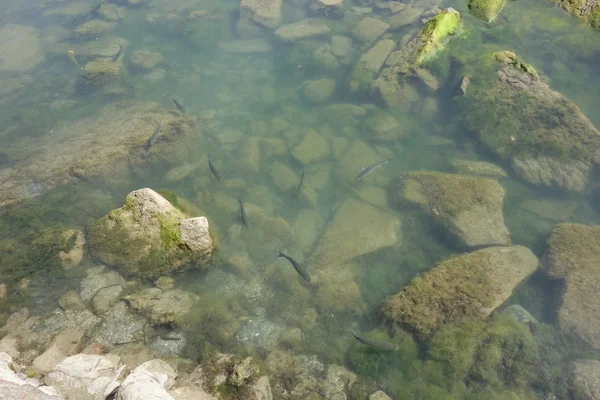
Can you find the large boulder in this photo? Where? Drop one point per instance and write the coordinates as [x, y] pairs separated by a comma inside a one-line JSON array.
[[470, 285], [544, 136], [468, 208], [573, 256], [148, 237]]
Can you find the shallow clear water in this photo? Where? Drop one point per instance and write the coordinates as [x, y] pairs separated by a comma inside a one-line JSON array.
[[246, 92]]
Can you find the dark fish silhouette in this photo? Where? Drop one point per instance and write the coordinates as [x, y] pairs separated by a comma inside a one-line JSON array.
[[243, 213], [154, 136], [299, 268], [301, 180], [366, 171], [213, 168], [179, 105], [118, 53], [378, 344]]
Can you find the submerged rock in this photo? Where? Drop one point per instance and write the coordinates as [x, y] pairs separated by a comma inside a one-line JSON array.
[[148, 237], [146, 60], [320, 90], [369, 30], [245, 46], [162, 306], [401, 65], [120, 326], [468, 208], [20, 47], [306, 29], [520, 119], [92, 29], [470, 285], [367, 69], [101, 74], [587, 11], [487, 10], [586, 378], [312, 149], [573, 256], [266, 13], [478, 168]]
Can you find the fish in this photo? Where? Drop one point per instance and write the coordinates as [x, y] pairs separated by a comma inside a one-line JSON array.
[[301, 180], [243, 213], [366, 171], [213, 169], [154, 136], [377, 344], [179, 105], [299, 268], [118, 53]]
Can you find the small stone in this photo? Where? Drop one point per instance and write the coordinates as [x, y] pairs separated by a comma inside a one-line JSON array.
[[146, 60], [282, 176], [369, 29], [71, 301], [320, 90], [313, 148]]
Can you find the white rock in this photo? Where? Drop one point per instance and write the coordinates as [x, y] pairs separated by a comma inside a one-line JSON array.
[[148, 381], [194, 233], [13, 387]]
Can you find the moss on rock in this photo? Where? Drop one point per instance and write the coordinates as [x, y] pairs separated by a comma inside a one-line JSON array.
[[487, 10], [436, 32]]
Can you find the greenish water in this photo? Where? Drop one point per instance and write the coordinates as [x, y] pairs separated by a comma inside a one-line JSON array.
[[247, 92]]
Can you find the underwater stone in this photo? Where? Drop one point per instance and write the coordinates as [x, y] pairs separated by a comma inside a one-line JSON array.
[[93, 28], [120, 326], [368, 66], [162, 306], [573, 256], [249, 155], [520, 314], [312, 149], [73, 257], [470, 285], [379, 395], [586, 377], [245, 46], [306, 29], [468, 208], [57, 321], [358, 156], [71, 301], [487, 10], [320, 90], [340, 45], [325, 59], [242, 371], [405, 17], [478, 168], [435, 33], [106, 298], [282, 176], [382, 126], [144, 238], [263, 12], [109, 12], [63, 345], [20, 47], [145, 59], [95, 282], [520, 119], [369, 30]]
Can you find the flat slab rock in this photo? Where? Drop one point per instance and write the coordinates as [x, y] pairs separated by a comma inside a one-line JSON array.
[[470, 285], [573, 256]]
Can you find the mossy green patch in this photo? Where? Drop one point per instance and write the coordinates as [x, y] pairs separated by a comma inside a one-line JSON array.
[[436, 32], [487, 10], [170, 232]]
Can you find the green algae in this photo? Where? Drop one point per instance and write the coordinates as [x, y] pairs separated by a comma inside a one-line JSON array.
[[487, 10], [436, 32], [170, 232]]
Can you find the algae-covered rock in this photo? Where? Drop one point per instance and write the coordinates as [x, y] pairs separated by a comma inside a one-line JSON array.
[[468, 208], [470, 285], [520, 119], [487, 10], [148, 237], [478, 168], [101, 73], [319, 90], [586, 11], [402, 65], [573, 256], [436, 32]]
